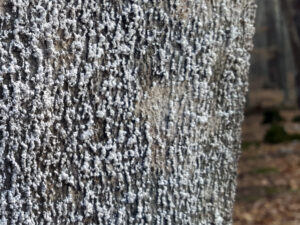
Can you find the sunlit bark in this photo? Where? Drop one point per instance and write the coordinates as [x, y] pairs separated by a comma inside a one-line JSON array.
[[121, 112]]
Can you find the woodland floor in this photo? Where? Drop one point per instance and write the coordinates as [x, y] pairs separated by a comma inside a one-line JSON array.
[[269, 174]]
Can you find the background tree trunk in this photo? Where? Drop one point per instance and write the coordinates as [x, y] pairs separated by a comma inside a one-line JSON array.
[[121, 112], [291, 9], [272, 64]]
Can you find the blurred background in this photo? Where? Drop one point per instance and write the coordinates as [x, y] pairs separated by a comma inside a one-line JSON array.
[[269, 168]]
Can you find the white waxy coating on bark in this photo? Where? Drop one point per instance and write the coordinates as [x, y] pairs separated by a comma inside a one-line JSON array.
[[121, 112]]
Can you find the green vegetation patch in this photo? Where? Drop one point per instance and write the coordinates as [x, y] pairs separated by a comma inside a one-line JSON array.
[[276, 134], [264, 170], [294, 137], [248, 144]]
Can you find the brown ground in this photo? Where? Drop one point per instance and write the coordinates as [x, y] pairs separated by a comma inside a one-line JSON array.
[[269, 176]]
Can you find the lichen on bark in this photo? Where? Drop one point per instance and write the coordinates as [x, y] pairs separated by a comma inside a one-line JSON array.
[[121, 112]]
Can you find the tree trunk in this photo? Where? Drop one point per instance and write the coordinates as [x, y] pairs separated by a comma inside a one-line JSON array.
[[272, 65], [291, 9], [121, 112]]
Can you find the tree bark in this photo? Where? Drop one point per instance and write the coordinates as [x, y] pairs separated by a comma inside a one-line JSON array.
[[121, 112]]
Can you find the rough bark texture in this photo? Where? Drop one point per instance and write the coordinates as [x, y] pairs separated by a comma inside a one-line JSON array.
[[121, 112]]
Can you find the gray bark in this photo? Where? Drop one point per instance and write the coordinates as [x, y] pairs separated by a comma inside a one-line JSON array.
[[121, 112]]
